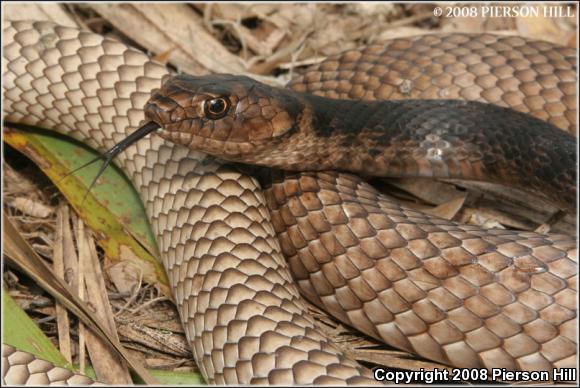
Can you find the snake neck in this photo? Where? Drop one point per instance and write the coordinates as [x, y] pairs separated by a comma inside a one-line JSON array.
[[428, 138]]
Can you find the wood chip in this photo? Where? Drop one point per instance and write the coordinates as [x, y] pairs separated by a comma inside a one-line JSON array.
[[31, 207]]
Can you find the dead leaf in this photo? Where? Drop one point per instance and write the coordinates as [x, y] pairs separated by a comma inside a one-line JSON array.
[[428, 190], [479, 219], [125, 276], [449, 209], [545, 27]]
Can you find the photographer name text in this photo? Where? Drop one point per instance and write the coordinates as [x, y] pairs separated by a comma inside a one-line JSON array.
[[506, 11], [470, 374]]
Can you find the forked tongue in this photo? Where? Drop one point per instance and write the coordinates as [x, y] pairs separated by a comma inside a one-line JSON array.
[[116, 150]]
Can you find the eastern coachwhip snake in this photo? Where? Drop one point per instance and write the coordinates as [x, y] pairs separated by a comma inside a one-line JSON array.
[[457, 294]]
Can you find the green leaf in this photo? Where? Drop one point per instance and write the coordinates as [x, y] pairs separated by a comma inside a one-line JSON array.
[[112, 209], [22, 332]]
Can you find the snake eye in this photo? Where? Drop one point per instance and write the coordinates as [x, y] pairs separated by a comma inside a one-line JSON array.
[[216, 108]]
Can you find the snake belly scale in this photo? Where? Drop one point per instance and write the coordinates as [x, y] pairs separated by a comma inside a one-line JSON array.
[[239, 259]]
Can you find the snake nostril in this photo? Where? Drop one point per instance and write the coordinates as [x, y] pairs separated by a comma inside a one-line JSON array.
[[157, 113]]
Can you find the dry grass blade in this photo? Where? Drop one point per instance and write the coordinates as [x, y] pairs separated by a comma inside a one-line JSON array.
[[23, 256], [63, 322], [108, 366], [162, 341]]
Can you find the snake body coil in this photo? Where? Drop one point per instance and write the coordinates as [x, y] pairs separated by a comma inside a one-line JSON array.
[[454, 293]]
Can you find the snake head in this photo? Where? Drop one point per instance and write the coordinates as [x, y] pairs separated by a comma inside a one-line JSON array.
[[224, 115]]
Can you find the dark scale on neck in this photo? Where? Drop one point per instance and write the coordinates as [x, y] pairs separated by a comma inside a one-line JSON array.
[[378, 121]]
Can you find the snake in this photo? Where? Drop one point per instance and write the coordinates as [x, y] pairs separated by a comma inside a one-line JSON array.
[[242, 120], [243, 248]]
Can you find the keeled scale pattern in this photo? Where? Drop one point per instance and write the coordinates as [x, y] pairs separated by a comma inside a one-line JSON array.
[[533, 77], [23, 368], [242, 313], [454, 293]]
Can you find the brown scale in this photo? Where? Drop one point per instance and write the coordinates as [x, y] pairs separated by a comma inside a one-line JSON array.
[[453, 293]]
